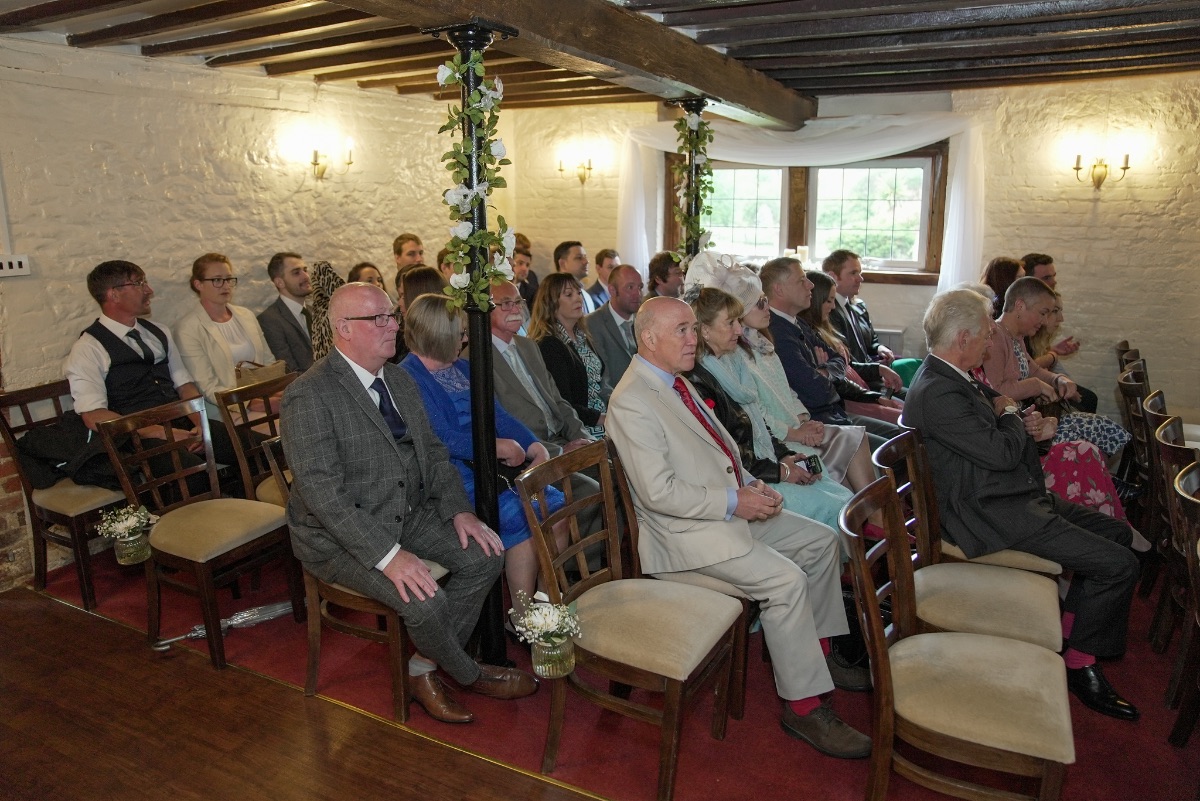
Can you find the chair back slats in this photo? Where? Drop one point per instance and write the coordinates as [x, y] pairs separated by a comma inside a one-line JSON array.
[[905, 459], [277, 460], [1187, 488], [23, 410], [251, 416], [1174, 455], [564, 565], [630, 560], [158, 435], [1132, 385]]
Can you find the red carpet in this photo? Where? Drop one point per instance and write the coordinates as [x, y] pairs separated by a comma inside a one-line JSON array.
[[615, 757]]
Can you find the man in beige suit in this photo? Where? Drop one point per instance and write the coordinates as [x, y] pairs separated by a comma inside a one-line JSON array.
[[699, 511]]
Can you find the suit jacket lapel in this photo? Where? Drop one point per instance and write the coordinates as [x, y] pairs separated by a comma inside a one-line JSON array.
[[358, 393], [672, 403], [291, 318]]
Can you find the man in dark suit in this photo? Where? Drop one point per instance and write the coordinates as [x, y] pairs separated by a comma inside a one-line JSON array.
[[849, 315], [789, 292], [524, 276], [374, 494], [992, 494], [570, 257], [606, 260], [611, 325], [287, 323]]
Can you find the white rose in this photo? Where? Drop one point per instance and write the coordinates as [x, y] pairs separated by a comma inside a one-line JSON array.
[[460, 280], [693, 121], [498, 149], [506, 270], [462, 230], [444, 74], [701, 159], [508, 241]]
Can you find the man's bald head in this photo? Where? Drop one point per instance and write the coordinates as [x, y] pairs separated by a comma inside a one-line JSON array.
[[361, 340], [666, 331]]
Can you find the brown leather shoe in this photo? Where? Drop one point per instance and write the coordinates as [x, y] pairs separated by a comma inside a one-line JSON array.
[[826, 732], [430, 693], [504, 683]]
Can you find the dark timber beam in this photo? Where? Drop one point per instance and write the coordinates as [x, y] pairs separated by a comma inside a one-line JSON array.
[[332, 43], [761, 13], [511, 73], [175, 20], [416, 66], [259, 34], [595, 37], [631, 97], [392, 53], [43, 13]]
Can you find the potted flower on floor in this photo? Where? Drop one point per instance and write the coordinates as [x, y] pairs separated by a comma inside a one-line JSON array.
[[548, 628], [129, 529]]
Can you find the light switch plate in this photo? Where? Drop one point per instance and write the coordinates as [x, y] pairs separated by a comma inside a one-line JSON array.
[[14, 265]]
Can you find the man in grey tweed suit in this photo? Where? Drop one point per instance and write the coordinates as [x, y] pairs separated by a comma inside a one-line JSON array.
[[374, 494]]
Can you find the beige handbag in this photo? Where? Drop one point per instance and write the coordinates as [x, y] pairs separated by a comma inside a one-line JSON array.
[[253, 372]]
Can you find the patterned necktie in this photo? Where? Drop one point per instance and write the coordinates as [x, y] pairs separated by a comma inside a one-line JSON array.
[[307, 320], [147, 356], [690, 403], [553, 424], [630, 342], [390, 416]]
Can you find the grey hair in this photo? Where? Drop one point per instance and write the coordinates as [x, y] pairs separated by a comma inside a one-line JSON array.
[[953, 312]]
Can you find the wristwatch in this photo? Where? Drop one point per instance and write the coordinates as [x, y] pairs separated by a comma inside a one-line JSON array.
[[1010, 409]]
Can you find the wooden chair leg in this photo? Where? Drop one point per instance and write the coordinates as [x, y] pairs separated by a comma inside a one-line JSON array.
[[740, 658], [295, 580], [672, 730], [211, 614], [83, 563], [558, 706], [153, 601], [1163, 625], [1052, 781], [1189, 704], [313, 600], [39, 556], [883, 741], [398, 664], [1179, 676]]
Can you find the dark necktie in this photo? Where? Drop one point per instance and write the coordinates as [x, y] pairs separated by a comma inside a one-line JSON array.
[[147, 356], [307, 320], [690, 403], [390, 416]]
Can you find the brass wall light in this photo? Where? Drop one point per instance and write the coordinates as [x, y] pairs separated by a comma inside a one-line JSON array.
[[320, 163], [582, 170], [1099, 170]]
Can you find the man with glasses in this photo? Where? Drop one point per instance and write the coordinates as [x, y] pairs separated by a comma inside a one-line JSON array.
[[123, 364], [374, 494], [611, 325], [287, 323]]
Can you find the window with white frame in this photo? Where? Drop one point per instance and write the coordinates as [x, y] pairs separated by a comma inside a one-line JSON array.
[[747, 211]]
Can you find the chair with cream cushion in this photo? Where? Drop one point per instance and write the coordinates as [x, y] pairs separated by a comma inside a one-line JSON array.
[[199, 534], [251, 415], [1187, 486], [659, 636], [75, 507], [327, 600], [1176, 603], [965, 596], [974, 699]]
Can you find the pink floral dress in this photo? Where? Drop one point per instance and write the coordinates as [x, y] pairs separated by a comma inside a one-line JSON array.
[[1075, 471]]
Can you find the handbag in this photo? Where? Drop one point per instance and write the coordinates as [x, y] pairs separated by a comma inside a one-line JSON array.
[[504, 472], [252, 372]]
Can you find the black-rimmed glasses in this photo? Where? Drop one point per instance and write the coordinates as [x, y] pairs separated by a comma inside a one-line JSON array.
[[221, 280], [381, 320], [509, 305]]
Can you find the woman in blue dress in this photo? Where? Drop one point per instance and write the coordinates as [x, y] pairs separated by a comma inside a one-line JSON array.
[[435, 336]]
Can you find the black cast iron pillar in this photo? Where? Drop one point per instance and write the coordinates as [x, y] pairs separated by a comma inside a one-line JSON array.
[[693, 105]]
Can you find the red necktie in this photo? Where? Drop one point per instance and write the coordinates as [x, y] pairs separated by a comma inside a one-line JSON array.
[[690, 403]]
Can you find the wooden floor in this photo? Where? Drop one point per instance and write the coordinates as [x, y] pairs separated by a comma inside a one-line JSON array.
[[87, 711]]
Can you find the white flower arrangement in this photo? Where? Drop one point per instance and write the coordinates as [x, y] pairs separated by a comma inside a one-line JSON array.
[[481, 110], [122, 523], [545, 622]]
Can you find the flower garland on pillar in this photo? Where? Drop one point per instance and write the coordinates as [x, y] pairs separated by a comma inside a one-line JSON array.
[[481, 108], [694, 177]]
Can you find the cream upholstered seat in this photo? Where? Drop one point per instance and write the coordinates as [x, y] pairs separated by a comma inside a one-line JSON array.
[[201, 540], [1017, 560], [975, 699], [74, 507], [661, 636], [250, 414], [964, 596], [269, 492]]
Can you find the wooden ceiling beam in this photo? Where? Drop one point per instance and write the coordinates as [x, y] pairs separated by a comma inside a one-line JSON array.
[[259, 34], [414, 50], [427, 83], [548, 102], [331, 43], [597, 38], [1182, 16], [762, 13], [972, 17], [417, 66], [583, 85], [44, 13], [177, 20]]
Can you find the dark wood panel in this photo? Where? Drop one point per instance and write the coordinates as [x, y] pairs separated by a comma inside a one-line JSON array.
[[43, 13], [343, 43], [418, 66], [758, 13], [403, 52], [259, 34], [90, 712], [177, 20]]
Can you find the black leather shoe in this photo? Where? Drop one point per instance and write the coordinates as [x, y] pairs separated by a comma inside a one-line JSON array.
[[1091, 687]]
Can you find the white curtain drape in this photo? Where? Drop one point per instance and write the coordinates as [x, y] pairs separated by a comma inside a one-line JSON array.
[[821, 143]]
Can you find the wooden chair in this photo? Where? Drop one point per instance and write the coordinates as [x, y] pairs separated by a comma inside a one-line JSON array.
[[199, 534], [964, 596], [250, 417], [1176, 603], [633, 569], [1187, 487], [973, 699], [1155, 406], [327, 602], [75, 507], [658, 636], [1149, 513]]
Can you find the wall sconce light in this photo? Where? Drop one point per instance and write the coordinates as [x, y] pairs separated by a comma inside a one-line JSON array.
[[582, 170], [321, 163], [1099, 170]]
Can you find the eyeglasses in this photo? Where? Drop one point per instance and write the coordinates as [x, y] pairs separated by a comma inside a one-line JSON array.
[[509, 305], [381, 320], [139, 284], [221, 280]]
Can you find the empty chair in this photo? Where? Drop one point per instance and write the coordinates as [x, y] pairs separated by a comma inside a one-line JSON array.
[[327, 601], [75, 507], [1187, 487], [250, 417], [964, 596], [1155, 406], [660, 636], [199, 535], [1175, 602], [985, 701]]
